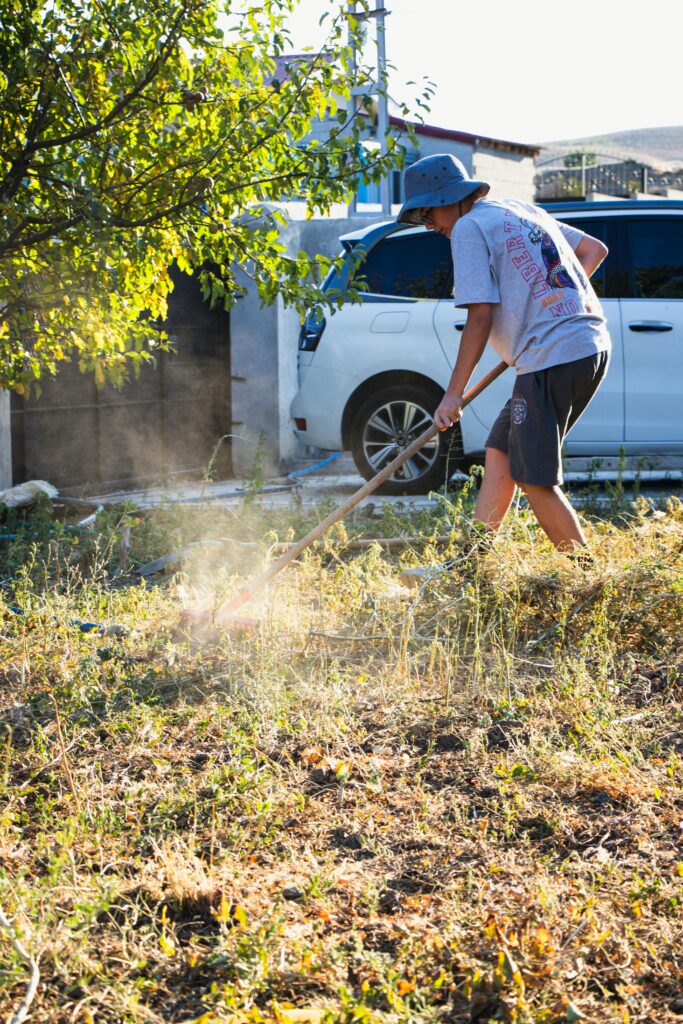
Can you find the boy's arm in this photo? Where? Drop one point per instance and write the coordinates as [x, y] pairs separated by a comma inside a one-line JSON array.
[[590, 252], [473, 342]]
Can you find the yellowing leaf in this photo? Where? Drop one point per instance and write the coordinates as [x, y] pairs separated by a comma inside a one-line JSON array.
[[222, 914], [544, 939], [166, 946], [239, 915], [340, 769], [510, 970]]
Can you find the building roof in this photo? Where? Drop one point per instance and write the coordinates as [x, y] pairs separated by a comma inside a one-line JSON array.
[[450, 134]]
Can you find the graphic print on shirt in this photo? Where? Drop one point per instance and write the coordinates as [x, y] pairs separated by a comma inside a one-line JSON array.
[[549, 283], [522, 258], [557, 274]]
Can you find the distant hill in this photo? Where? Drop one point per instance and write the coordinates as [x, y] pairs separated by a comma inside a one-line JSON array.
[[659, 147]]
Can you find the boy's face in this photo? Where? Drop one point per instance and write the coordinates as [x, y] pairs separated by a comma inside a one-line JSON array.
[[441, 218]]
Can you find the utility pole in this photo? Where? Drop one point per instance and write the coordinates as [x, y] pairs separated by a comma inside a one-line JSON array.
[[353, 102], [5, 441], [583, 175], [379, 15], [382, 104]]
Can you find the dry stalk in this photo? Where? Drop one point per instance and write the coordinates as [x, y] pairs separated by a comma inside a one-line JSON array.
[[65, 759], [21, 1012], [392, 543], [124, 548], [355, 639]]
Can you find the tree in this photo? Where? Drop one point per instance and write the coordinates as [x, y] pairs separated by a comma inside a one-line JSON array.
[[136, 134]]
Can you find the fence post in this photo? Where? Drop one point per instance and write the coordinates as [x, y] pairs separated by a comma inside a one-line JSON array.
[[583, 175], [643, 187]]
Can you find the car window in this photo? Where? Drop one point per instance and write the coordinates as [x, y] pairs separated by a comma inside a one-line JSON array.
[[656, 248], [603, 276], [414, 266]]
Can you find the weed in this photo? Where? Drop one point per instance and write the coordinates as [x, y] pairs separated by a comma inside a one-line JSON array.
[[462, 805]]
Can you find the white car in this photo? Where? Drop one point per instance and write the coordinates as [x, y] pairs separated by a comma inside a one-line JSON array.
[[372, 374]]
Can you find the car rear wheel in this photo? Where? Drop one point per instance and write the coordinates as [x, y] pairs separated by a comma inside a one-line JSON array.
[[388, 422]]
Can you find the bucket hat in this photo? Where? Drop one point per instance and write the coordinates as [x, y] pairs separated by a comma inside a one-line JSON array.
[[436, 180]]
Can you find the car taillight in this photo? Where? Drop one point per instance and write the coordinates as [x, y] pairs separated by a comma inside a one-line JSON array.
[[311, 332], [300, 423]]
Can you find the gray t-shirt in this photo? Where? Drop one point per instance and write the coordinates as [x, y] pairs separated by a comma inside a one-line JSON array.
[[519, 258]]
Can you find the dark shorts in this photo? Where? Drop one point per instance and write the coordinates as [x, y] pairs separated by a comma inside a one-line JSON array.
[[545, 405]]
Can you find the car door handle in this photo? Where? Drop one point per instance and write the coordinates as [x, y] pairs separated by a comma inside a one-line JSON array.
[[459, 327], [640, 326]]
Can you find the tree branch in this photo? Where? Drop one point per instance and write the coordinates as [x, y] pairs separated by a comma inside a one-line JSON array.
[[125, 101], [16, 243], [13, 179]]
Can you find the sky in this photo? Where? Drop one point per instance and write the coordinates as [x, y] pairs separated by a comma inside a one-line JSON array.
[[528, 72]]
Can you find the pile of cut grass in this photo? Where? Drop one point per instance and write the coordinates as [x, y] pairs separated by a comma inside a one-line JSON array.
[[462, 804]]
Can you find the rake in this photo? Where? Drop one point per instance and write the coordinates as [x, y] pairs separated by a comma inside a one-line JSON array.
[[245, 595]]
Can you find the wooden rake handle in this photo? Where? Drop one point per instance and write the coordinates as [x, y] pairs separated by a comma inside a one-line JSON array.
[[260, 582]]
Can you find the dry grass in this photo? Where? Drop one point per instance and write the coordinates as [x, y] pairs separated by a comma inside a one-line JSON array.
[[460, 805]]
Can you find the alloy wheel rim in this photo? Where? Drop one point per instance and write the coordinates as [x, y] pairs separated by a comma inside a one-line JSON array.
[[391, 428]]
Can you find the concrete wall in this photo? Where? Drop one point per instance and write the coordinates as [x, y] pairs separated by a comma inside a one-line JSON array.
[[264, 346], [254, 394], [511, 175], [463, 150]]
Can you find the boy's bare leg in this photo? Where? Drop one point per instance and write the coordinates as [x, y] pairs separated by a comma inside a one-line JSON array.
[[496, 492], [556, 516], [550, 506]]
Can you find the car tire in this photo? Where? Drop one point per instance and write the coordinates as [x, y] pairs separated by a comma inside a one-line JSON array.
[[390, 420]]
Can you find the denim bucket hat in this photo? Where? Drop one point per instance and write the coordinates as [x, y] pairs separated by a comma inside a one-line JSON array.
[[434, 181]]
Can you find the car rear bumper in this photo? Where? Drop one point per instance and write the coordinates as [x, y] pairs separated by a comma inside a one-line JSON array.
[[321, 401]]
